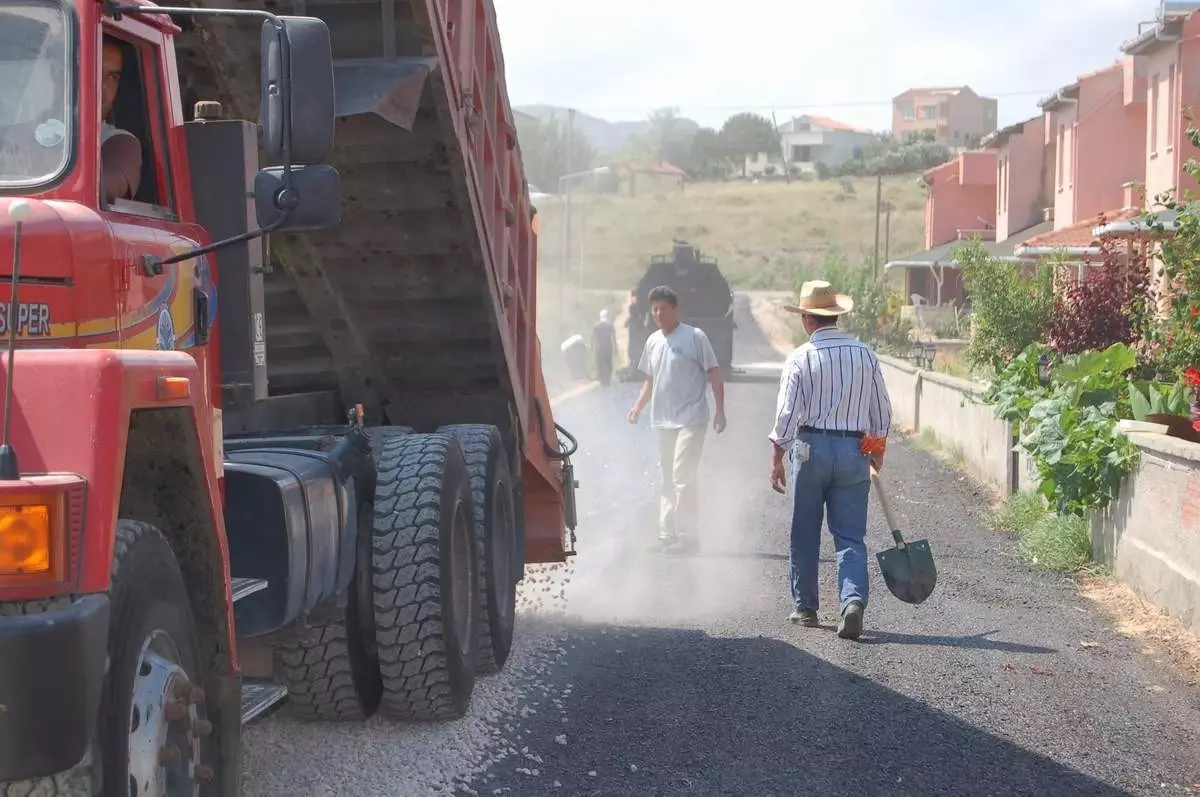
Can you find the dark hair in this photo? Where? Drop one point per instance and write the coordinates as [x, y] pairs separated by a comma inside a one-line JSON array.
[[824, 320], [663, 294]]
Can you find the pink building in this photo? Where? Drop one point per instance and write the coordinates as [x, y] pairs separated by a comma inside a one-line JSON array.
[[1024, 179], [1166, 56], [1099, 133], [1166, 59], [960, 204]]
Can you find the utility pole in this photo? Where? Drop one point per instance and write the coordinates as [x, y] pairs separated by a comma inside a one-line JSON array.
[[887, 231], [566, 258], [878, 209]]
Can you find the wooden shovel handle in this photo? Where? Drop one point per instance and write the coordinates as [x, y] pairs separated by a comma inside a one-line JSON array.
[[893, 526]]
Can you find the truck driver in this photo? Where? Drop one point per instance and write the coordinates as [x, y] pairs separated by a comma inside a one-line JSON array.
[[120, 151]]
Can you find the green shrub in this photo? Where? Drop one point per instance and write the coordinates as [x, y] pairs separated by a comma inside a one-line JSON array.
[[1012, 309], [1059, 543], [1017, 513], [1068, 426]]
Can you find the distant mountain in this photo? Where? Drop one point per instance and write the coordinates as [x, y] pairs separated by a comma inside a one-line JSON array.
[[604, 135]]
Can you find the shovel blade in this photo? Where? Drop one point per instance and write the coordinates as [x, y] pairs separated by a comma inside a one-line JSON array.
[[909, 572]]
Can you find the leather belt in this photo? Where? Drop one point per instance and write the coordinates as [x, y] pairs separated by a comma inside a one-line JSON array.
[[830, 432]]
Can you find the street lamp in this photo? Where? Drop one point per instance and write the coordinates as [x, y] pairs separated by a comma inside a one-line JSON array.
[[564, 189]]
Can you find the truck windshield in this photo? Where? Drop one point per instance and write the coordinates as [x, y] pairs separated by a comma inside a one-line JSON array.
[[35, 126]]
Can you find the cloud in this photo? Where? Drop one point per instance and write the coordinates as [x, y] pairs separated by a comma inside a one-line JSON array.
[[619, 59]]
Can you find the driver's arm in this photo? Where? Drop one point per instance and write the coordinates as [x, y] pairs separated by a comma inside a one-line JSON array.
[[121, 165]]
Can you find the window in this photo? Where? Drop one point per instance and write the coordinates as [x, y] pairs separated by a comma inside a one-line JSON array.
[[1154, 115], [929, 112], [907, 112], [802, 154], [1172, 121], [37, 124], [135, 169]]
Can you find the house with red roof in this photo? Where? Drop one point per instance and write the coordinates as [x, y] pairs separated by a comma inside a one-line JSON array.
[[808, 140], [634, 179]]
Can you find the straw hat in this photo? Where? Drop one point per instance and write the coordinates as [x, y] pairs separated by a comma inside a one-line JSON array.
[[817, 297]]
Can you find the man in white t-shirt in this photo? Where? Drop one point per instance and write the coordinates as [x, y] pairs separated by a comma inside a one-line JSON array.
[[680, 365]]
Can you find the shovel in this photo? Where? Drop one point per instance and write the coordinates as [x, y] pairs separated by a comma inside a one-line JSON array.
[[908, 568]]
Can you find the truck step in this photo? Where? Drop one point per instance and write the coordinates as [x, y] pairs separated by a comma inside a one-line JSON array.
[[245, 587], [258, 696]]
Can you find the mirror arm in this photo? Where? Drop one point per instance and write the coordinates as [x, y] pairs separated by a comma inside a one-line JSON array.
[[152, 265]]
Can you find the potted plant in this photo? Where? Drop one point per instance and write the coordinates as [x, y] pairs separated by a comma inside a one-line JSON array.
[[1175, 406]]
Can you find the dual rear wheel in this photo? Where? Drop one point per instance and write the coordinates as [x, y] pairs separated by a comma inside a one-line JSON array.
[[436, 597]]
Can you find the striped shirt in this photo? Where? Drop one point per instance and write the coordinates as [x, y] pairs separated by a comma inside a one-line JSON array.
[[831, 382]]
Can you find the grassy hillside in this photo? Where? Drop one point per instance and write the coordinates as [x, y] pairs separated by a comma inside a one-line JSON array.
[[764, 235]]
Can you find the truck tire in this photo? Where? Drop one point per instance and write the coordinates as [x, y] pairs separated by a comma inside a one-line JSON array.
[[331, 666], [495, 534], [328, 673], [425, 578], [153, 683]]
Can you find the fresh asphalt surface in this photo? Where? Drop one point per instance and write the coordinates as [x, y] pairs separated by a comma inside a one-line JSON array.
[[645, 674], [681, 675]]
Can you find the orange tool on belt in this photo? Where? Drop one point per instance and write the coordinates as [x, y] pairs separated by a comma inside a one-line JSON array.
[[872, 445]]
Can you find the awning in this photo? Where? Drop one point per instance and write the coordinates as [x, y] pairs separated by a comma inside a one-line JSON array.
[[939, 256], [1138, 226]]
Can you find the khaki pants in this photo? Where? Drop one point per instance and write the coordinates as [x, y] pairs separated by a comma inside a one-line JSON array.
[[679, 452]]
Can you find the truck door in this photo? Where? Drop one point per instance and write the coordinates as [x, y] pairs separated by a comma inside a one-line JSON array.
[[155, 311]]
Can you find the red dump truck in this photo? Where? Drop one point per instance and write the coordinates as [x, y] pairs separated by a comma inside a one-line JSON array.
[[266, 432]]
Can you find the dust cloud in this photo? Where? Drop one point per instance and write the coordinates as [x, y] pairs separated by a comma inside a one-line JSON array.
[[616, 578]]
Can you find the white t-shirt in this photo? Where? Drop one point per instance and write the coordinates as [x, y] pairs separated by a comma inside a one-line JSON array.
[[678, 365]]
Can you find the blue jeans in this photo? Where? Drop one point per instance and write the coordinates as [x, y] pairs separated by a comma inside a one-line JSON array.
[[836, 476]]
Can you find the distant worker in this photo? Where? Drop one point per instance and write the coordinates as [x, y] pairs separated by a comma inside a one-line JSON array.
[[679, 365], [120, 150], [831, 396], [604, 346]]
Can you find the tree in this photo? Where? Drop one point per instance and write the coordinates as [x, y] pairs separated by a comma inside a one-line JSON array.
[[746, 134], [707, 156], [664, 140], [544, 151], [1012, 309]]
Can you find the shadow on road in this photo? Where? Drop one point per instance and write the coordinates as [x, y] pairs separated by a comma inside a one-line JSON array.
[[974, 642], [761, 716]]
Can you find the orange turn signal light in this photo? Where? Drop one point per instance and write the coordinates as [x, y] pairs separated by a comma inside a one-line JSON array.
[[173, 388], [26, 541]]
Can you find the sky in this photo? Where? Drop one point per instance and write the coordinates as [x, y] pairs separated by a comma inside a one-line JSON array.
[[620, 59]]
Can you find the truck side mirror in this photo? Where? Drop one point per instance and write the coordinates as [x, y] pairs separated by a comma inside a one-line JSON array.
[[298, 59], [313, 202]]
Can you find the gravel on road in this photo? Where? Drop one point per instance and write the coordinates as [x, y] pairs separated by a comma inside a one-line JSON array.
[[681, 675], [636, 673]]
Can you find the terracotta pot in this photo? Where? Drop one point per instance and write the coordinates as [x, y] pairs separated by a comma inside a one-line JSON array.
[[1177, 425]]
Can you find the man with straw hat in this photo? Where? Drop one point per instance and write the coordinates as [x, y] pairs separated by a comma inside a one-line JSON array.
[[831, 396]]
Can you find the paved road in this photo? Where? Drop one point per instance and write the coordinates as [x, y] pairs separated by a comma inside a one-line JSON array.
[[680, 675], [643, 674]]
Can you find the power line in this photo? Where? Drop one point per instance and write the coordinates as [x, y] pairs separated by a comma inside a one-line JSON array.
[[780, 106]]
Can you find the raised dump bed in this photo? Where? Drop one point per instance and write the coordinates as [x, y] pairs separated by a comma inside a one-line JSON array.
[[420, 305]]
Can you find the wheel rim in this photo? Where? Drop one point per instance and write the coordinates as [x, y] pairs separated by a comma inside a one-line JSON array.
[[461, 564], [164, 724], [501, 575]]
